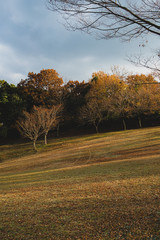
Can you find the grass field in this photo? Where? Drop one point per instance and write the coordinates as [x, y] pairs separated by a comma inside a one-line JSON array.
[[103, 186]]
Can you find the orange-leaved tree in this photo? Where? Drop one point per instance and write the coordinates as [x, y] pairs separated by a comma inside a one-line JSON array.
[[44, 88], [96, 105], [144, 93], [109, 92]]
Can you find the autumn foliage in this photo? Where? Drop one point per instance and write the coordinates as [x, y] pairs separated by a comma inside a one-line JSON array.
[[43, 88], [124, 100]]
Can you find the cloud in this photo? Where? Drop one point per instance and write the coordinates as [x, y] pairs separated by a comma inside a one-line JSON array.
[[33, 39], [10, 68]]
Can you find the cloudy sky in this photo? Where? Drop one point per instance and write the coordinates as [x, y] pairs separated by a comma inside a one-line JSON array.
[[32, 38]]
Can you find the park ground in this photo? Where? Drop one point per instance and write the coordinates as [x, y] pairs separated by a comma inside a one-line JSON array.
[[93, 187]]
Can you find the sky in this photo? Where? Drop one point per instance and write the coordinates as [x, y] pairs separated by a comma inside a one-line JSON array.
[[33, 38]]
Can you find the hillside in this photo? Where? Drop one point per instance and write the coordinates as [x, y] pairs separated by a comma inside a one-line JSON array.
[[103, 186]]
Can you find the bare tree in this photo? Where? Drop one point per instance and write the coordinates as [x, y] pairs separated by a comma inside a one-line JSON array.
[[119, 105], [49, 118], [92, 113], [121, 73], [152, 63], [30, 126], [124, 19], [39, 121]]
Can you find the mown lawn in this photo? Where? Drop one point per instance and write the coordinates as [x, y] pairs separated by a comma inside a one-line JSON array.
[[104, 186]]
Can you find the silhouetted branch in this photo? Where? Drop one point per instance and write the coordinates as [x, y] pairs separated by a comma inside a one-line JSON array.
[[112, 18]]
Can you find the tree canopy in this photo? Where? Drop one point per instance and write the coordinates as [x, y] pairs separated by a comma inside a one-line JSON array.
[[11, 105], [42, 103], [42, 88]]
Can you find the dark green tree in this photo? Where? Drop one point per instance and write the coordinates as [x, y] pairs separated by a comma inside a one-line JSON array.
[[74, 98], [11, 106]]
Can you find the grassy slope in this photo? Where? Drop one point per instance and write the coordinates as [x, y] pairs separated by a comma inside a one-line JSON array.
[[104, 186]]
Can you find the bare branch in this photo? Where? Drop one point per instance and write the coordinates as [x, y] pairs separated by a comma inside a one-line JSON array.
[[152, 63], [49, 118], [39, 121], [29, 126], [110, 18]]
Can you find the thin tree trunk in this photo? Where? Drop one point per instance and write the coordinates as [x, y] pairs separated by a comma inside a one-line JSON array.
[[96, 127], [34, 145], [45, 138], [124, 124], [58, 130], [140, 122]]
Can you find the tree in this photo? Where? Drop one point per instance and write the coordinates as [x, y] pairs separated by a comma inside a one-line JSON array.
[[74, 98], [38, 122], [44, 88], [110, 18], [100, 97], [30, 126], [11, 106], [113, 90], [144, 102], [144, 97], [137, 81], [119, 105], [152, 62], [49, 118], [92, 112]]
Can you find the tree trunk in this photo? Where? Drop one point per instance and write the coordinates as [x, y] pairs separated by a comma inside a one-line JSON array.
[[58, 130], [45, 138], [124, 124], [140, 122], [34, 145], [96, 127]]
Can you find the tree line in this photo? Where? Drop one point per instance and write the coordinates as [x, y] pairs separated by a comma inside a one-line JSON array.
[[43, 102]]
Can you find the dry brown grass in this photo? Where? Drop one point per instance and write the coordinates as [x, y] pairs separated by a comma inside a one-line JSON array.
[[104, 186]]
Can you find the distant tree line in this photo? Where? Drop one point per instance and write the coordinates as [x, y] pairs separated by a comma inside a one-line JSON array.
[[43, 102]]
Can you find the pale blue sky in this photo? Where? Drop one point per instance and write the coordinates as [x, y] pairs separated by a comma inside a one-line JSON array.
[[32, 38]]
